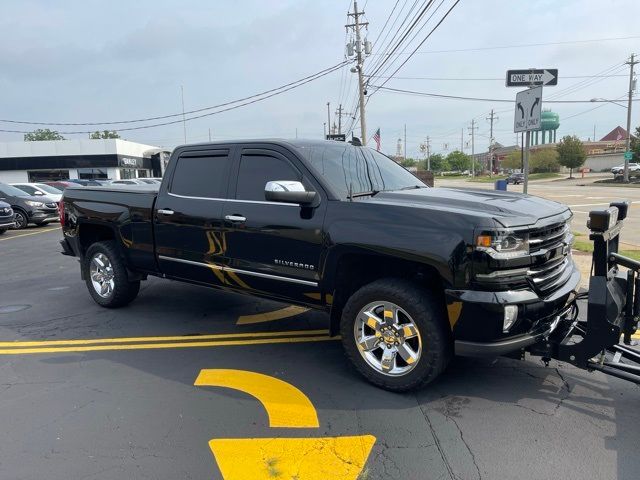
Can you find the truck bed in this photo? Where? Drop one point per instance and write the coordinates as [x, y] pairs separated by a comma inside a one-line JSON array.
[[127, 211]]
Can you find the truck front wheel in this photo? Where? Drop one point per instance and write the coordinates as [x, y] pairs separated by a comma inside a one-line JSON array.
[[395, 333], [106, 276]]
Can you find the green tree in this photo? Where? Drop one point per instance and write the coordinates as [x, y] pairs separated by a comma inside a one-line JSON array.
[[438, 163], [459, 161], [104, 134], [571, 153], [512, 161], [42, 134], [408, 162], [544, 160], [635, 145]]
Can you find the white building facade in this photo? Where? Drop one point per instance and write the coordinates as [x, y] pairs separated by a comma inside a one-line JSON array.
[[67, 159]]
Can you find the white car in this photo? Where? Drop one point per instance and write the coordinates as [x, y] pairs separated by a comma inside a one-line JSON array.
[[40, 189], [619, 170]]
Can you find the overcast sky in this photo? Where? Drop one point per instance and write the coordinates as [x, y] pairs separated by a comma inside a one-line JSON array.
[[86, 61]]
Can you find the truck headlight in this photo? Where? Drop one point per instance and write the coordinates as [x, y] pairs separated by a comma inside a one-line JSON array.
[[504, 244], [34, 204]]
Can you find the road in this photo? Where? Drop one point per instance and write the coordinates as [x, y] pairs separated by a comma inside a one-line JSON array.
[[119, 400], [581, 196]]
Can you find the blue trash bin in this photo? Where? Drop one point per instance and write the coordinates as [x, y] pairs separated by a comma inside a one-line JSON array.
[[501, 185]]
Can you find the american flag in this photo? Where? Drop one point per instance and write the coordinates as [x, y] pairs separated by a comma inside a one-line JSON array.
[[376, 137]]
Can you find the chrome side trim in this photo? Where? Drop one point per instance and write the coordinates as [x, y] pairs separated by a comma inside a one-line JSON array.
[[237, 270], [191, 262], [233, 200], [274, 277]]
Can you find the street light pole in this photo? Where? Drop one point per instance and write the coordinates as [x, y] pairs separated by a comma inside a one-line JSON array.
[[631, 63]]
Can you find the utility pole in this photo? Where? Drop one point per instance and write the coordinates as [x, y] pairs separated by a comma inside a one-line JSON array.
[[359, 67], [428, 153], [324, 126], [184, 122], [473, 129], [491, 118], [339, 112], [328, 117], [405, 141], [631, 63], [209, 134]]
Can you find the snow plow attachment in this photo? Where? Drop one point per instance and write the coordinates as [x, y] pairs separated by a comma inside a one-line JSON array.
[[603, 341]]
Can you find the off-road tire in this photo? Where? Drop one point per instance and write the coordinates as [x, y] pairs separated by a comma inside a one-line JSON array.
[[429, 316], [124, 291]]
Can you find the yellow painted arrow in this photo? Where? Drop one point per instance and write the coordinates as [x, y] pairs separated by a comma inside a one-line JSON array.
[[285, 404], [321, 458], [335, 458]]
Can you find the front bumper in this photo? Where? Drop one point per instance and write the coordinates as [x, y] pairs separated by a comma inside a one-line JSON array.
[[477, 317], [44, 215], [7, 222]]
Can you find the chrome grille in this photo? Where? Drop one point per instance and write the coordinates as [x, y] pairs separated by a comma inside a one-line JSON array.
[[547, 237], [545, 276]]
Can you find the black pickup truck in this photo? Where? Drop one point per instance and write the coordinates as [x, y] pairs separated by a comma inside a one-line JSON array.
[[409, 275]]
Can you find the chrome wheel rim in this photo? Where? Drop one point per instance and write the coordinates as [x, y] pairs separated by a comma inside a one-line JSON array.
[[20, 220], [101, 274], [387, 338]]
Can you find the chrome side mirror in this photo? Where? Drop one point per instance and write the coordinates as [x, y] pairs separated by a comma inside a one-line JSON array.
[[288, 191]]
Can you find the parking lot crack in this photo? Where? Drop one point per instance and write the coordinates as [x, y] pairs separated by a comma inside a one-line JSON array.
[[447, 465]]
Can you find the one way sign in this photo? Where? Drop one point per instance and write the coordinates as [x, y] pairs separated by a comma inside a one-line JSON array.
[[528, 108], [532, 77]]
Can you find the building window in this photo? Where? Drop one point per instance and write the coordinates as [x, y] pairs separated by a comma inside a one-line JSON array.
[[143, 173], [88, 173], [36, 176], [127, 173]]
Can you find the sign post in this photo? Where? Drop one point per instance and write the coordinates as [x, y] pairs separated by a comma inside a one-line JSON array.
[[527, 118], [529, 105]]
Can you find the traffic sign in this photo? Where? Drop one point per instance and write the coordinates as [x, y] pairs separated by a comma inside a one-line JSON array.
[[528, 109], [628, 155], [532, 77]]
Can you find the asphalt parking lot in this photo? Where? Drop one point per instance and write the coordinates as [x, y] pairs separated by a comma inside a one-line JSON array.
[[151, 390]]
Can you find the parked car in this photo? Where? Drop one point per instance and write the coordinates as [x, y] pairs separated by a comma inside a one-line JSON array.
[[60, 184], [27, 208], [409, 275], [515, 178], [7, 218], [86, 182], [149, 181], [129, 181], [619, 170], [40, 190]]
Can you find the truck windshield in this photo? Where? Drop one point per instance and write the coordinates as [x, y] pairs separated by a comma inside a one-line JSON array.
[[355, 170]]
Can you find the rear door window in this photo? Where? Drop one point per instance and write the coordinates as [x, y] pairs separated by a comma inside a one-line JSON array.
[[201, 176]]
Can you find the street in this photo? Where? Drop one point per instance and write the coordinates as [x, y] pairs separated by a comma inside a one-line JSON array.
[[92, 393]]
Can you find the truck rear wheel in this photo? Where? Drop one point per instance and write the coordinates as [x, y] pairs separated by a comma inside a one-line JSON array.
[[395, 333], [106, 276]]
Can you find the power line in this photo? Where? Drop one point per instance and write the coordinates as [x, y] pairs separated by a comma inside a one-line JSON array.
[[501, 79], [524, 45], [420, 44], [282, 88], [477, 99], [255, 100]]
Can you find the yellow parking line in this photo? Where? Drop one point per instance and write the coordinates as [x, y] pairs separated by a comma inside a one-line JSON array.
[[289, 311], [32, 233], [218, 336], [151, 346]]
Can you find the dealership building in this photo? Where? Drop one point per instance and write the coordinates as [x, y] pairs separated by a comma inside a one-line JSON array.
[[66, 159]]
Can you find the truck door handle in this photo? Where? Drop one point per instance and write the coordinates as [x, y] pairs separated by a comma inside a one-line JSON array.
[[236, 218], [165, 211]]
